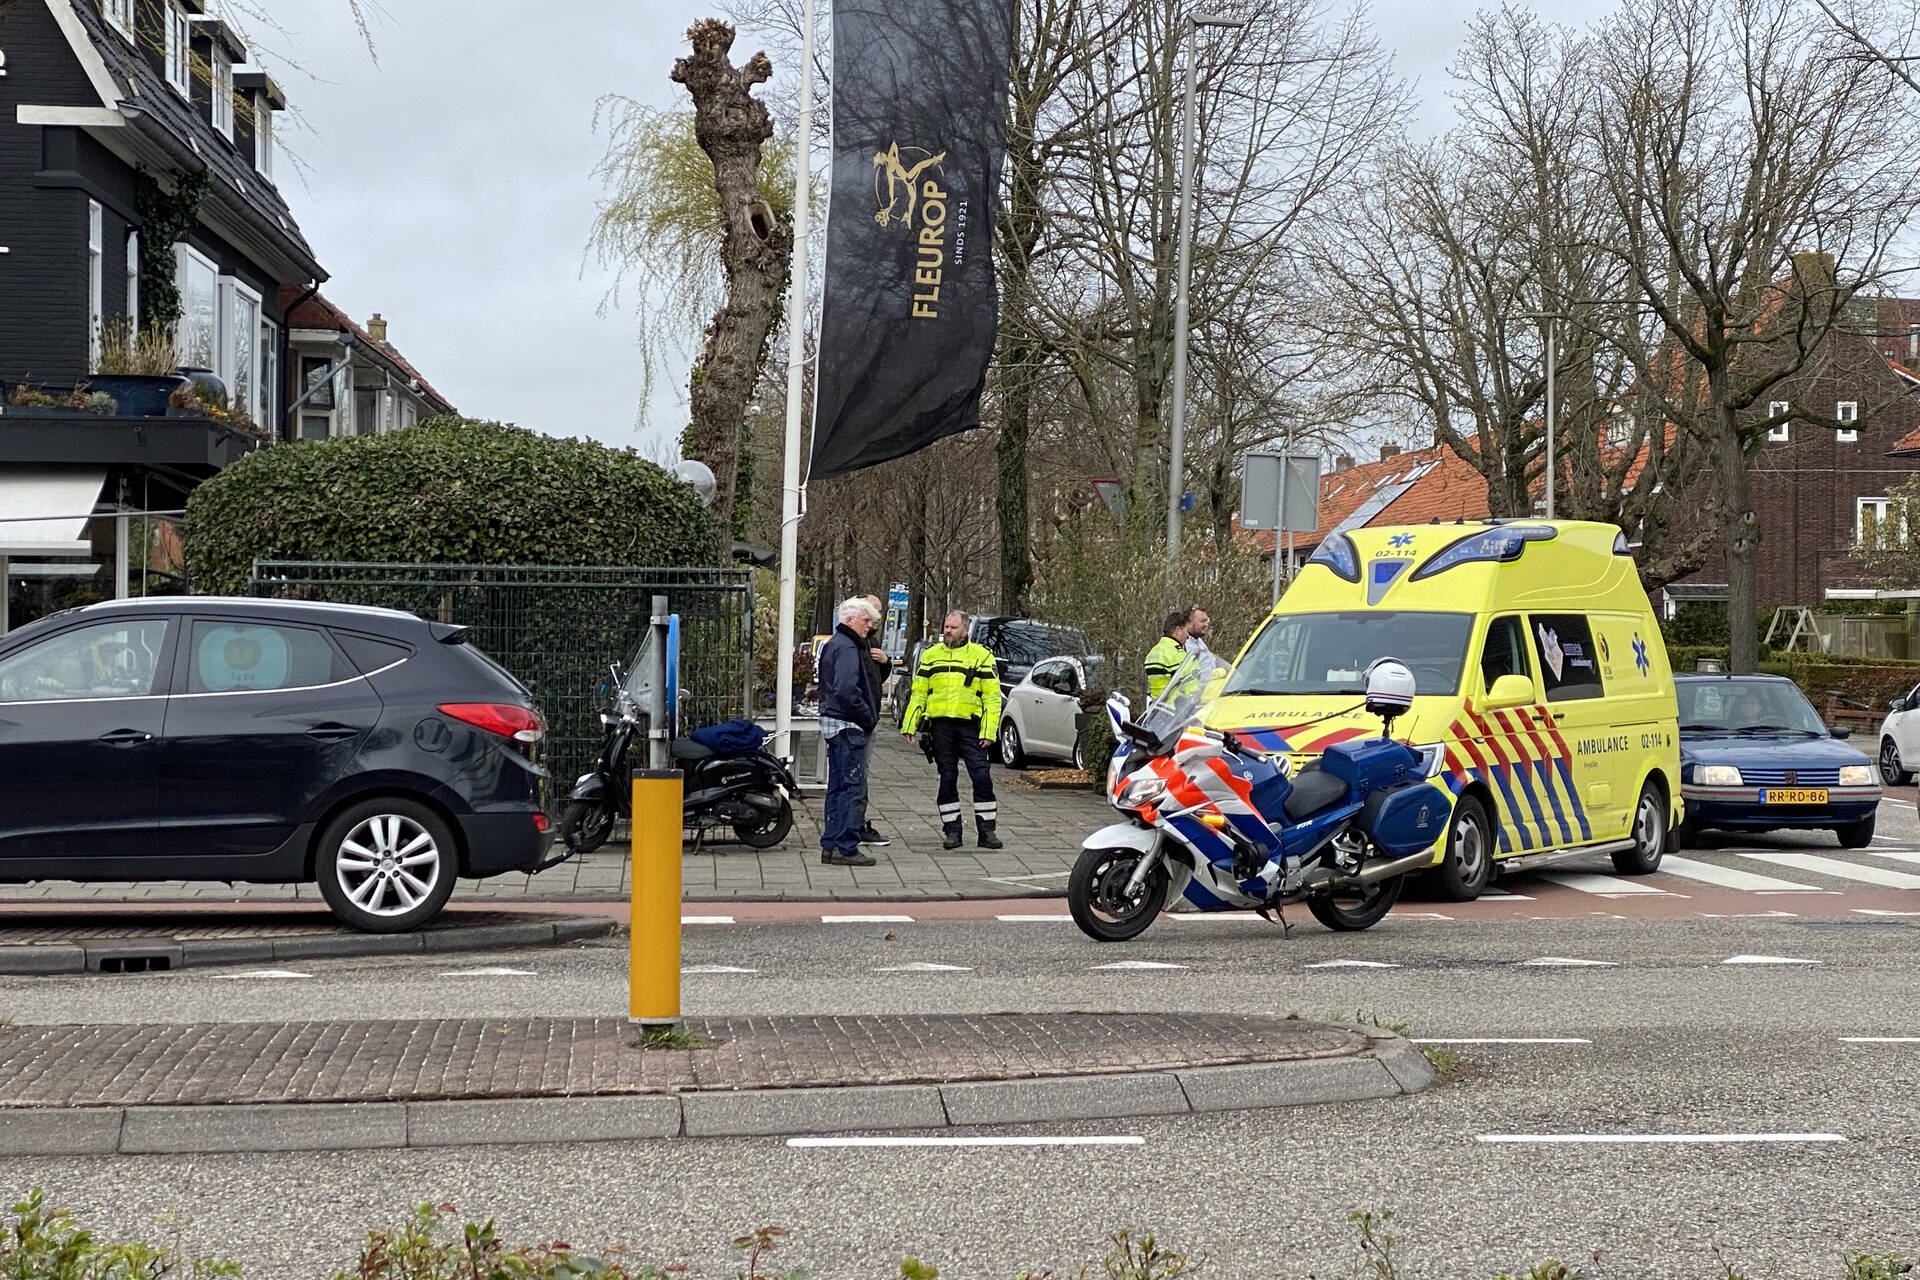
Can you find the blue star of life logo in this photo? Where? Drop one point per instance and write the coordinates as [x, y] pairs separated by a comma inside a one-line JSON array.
[[1640, 658], [1400, 540]]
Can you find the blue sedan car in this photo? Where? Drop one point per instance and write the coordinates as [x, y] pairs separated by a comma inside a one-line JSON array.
[[1754, 756]]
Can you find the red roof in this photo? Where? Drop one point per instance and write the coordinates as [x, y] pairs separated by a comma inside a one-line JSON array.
[[318, 313]]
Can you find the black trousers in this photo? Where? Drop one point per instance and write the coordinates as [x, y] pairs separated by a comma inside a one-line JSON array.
[[955, 741]]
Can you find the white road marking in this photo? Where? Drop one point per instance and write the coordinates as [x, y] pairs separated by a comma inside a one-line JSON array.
[[1026, 882], [1896, 855], [1351, 964], [1139, 964], [1211, 917], [1507, 1040], [1552, 962], [1880, 1039], [716, 968], [1418, 915], [493, 971], [1660, 1137], [1729, 877], [1115, 1141], [1607, 886], [269, 973], [1749, 915], [1502, 893], [923, 966], [1843, 870], [1874, 911], [1766, 960], [706, 919], [866, 919], [1036, 919]]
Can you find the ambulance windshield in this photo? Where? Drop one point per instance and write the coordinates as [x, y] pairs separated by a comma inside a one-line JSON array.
[[1308, 653]]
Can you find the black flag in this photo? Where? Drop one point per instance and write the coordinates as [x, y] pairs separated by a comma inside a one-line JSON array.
[[909, 312]]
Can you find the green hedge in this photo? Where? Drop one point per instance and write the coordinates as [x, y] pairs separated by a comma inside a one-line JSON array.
[[449, 491]]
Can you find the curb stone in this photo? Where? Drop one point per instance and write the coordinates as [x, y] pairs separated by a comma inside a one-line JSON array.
[[64, 958], [272, 1127]]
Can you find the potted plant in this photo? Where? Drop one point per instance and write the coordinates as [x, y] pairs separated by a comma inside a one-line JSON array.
[[137, 368]]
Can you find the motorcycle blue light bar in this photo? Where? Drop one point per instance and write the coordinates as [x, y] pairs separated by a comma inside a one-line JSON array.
[[1337, 553], [1502, 545]]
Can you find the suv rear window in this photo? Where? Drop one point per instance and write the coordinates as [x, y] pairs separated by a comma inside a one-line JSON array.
[[369, 654], [232, 656]]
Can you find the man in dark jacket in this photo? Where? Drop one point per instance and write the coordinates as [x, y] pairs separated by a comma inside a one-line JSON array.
[[879, 667], [848, 714]]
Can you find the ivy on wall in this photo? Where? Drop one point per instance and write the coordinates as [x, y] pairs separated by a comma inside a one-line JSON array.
[[165, 216]]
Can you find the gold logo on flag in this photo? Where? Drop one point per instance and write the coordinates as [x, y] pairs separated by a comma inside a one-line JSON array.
[[896, 180]]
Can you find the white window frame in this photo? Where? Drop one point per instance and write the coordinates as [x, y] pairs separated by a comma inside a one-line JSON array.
[[133, 286], [1913, 343], [185, 259], [268, 386], [408, 415], [120, 16], [1880, 508], [221, 99], [96, 280], [1784, 431], [263, 137], [227, 330], [1847, 411], [179, 49]]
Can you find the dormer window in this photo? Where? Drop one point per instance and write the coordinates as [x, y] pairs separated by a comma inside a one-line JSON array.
[[256, 126], [120, 16], [263, 140], [222, 93], [179, 49]]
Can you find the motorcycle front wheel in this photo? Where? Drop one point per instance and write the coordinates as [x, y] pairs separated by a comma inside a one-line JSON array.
[[1097, 894], [765, 832], [585, 826], [1349, 910]]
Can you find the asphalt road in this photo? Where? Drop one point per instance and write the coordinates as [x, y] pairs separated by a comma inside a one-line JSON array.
[[1677, 1042]]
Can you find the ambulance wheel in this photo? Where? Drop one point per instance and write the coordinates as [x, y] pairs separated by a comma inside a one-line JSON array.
[[1649, 834], [1351, 910], [1463, 874]]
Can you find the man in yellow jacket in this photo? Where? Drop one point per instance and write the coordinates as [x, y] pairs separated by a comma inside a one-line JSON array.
[[1166, 656], [956, 692]]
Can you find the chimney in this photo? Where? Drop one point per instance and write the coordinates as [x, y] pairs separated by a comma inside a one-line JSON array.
[[1389, 451], [1343, 463], [1814, 269], [377, 328]]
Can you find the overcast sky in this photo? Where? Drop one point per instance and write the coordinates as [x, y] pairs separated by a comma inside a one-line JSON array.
[[448, 187]]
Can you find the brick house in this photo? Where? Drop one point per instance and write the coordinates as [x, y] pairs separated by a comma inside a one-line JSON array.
[[347, 378]]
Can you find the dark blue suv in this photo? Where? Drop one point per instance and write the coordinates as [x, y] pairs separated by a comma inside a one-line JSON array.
[[206, 738]]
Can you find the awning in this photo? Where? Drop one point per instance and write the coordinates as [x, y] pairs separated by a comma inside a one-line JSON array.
[[43, 510]]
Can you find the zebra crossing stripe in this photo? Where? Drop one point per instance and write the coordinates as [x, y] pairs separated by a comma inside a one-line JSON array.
[[1730, 877], [1896, 855], [1842, 870], [1588, 882]]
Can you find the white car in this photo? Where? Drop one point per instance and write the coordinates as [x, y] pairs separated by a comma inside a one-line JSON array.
[[1040, 717], [1900, 739]]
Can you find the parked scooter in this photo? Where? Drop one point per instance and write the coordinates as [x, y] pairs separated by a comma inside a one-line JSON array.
[[732, 783], [1214, 824]]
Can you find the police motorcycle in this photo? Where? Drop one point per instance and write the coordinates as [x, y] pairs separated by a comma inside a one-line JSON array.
[[1215, 824]]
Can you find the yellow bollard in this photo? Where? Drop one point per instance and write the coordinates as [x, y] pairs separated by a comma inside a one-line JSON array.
[[653, 956]]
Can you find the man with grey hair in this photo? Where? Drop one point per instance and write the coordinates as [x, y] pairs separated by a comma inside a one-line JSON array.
[[849, 710], [879, 669]]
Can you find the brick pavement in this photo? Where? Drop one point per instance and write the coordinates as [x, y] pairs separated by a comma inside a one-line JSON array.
[[377, 1061], [1042, 828]]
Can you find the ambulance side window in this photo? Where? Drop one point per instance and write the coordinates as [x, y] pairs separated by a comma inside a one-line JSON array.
[[1569, 664], [1505, 653]]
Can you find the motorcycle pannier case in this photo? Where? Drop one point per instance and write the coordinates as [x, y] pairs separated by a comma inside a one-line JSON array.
[[1405, 820], [1367, 764]]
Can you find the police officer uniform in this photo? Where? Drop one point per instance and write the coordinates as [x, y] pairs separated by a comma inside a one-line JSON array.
[[1162, 661], [956, 691]]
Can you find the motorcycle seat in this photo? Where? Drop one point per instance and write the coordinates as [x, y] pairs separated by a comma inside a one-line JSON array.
[[1312, 792], [688, 749]]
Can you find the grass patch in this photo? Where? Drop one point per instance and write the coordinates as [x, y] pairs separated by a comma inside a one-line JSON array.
[[673, 1038]]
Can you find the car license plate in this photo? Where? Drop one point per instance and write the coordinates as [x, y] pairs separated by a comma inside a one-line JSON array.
[[1794, 795]]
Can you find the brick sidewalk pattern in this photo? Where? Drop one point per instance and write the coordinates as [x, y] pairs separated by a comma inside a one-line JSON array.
[[1042, 828], [219, 1063]]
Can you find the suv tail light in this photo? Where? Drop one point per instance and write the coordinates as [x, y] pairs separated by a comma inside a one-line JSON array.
[[504, 718]]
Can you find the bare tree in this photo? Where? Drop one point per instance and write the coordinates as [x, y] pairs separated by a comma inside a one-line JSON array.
[[1758, 181]]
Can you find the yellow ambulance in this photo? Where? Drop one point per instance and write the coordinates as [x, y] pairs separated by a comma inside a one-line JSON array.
[[1540, 677]]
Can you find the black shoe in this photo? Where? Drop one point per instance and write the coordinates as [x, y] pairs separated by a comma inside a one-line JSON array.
[[950, 836], [874, 838], [987, 838], [834, 858]]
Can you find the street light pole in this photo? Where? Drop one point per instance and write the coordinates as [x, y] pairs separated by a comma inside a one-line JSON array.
[[1177, 428], [1552, 319]]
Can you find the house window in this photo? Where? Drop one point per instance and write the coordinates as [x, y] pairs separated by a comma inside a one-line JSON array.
[[133, 283], [239, 366], [408, 415], [222, 93], [1847, 411], [1774, 409], [120, 15], [263, 137], [96, 281], [1620, 431], [198, 280], [269, 377], [1879, 524], [1913, 344], [316, 426], [179, 50]]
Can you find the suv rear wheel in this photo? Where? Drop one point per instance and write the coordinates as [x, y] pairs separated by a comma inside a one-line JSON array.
[[386, 865]]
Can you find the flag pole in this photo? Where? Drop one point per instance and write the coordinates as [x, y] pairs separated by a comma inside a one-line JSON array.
[[796, 379]]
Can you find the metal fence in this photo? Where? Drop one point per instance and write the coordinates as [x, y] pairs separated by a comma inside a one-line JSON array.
[[556, 627]]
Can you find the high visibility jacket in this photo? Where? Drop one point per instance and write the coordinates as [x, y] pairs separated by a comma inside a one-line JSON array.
[[1162, 661], [958, 684]]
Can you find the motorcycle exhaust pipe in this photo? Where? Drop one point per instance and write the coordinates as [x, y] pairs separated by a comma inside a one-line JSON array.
[[1374, 872]]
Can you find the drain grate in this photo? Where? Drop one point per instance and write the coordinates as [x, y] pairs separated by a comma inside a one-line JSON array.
[[153, 957]]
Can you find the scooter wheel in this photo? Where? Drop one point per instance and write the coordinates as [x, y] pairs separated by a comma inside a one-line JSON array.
[[1097, 894], [766, 832], [585, 826]]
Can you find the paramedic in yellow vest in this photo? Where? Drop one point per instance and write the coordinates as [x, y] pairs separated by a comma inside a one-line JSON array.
[[956, 692], [1166, 656]]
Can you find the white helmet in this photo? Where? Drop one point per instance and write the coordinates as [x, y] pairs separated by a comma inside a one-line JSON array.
[[1390, 687]]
